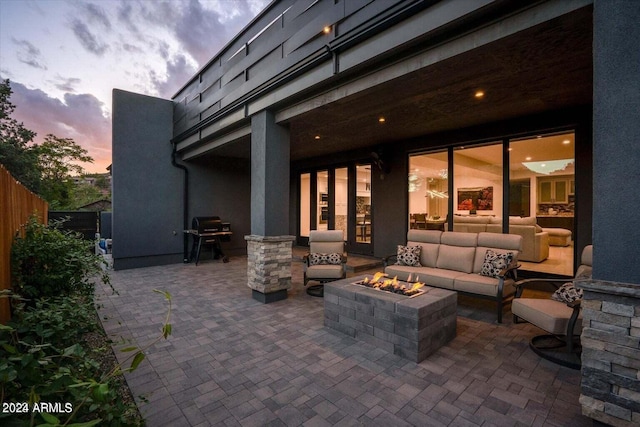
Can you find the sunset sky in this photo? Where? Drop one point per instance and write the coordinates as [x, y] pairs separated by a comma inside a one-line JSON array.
[[64, 57]]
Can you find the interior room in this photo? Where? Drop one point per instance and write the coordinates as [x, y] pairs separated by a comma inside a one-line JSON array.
[[540, 198]]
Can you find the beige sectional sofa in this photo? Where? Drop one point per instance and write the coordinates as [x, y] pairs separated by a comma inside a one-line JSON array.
[[455, 260], [535, 241]]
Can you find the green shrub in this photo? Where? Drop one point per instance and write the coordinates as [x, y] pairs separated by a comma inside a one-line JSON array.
[[53, 349], [57, 321], [44, 357], [49, 262]]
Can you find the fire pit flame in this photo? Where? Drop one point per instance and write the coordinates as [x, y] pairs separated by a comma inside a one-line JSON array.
[[392, 285], [377, 277]]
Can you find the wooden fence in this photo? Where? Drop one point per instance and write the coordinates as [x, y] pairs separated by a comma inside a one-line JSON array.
[[17, 204]]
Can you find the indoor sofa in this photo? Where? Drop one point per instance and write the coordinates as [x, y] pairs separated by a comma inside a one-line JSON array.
[[535, 241], [478, 264]]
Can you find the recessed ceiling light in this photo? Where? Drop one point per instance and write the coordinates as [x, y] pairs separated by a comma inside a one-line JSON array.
[[381, 120], [566, 141], [326, 29], [317, 137], [479, 94], [510, 149], [528, 158]]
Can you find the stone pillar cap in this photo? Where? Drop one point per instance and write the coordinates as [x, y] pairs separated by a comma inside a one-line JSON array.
[[258, 238]]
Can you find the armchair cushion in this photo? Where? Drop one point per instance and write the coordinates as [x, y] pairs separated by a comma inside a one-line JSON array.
[[325, 271], [409, 255], [547, 314], [495, 263], [567, 293], [324, 259]]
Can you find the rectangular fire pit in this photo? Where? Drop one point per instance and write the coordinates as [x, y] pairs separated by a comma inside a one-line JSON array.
[[412, 328]]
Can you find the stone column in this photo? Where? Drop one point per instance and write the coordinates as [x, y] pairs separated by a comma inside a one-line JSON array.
[[269, 247], [269, 267], [610, 391]]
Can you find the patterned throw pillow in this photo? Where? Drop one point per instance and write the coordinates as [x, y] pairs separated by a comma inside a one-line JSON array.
[[567, 293], [494, 263], [324, 259], [409, 255]]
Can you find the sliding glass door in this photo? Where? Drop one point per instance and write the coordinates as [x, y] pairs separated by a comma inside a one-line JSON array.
[[428, 191], [522, 186], [542, 188], [338, 199]]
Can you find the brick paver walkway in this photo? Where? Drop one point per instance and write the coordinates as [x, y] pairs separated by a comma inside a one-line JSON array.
[[234, 361]]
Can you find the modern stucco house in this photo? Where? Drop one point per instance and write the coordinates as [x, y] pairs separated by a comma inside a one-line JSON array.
[[366, 115]]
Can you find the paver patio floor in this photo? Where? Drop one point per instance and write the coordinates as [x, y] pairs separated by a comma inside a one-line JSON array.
[[234, 361]]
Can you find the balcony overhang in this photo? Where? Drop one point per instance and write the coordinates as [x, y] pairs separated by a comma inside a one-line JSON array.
[[534, 60]]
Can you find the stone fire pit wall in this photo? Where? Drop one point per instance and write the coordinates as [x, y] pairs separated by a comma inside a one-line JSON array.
[[412, 328]]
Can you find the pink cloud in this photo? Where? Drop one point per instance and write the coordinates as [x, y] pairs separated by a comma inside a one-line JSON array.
[[79, 117]]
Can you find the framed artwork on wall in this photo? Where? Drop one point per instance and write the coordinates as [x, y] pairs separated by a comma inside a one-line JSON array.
[[477, 198]]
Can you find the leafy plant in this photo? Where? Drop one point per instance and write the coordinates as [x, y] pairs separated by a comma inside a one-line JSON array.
[[47, 362], [49, 262], [41, 361], [45, 351]]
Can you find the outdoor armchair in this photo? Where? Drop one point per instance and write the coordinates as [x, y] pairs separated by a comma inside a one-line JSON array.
[[559, 316], [326, 260]]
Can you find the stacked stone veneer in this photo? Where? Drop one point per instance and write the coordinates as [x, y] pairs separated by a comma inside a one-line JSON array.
[[269, 263], [610, 391], [411, 328]]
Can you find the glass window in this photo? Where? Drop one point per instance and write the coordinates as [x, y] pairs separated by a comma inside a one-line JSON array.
[[478, 180], [363, 204], [428, 190], [541, 185], [305, 204], [322, 217], [341, 191]]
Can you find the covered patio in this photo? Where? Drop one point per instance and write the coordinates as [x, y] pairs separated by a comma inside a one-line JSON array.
[[232, 360]]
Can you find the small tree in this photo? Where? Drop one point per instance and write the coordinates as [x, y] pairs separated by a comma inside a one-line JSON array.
[[83, 194], [58, 160], [20, 159], [47, 168]]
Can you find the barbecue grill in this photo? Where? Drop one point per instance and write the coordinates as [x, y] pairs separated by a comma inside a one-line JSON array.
[[209, 231]]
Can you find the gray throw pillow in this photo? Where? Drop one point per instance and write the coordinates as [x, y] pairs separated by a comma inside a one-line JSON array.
[[324, 259], [494, 263], [567, 293], [409, 255]]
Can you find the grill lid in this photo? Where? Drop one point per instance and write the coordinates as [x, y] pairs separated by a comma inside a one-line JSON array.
[[209, 224]]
